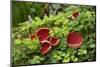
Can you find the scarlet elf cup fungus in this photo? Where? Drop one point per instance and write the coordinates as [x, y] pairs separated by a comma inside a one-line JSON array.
[[54, 41], [46, 47], [42, 34], [74, 39], [45, 40], [74, 15]]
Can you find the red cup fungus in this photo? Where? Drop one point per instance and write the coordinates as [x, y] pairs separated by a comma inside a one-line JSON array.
[[45, 40], [54, 41], [43, 34], [46, 47], [74, 39], [74, 15]]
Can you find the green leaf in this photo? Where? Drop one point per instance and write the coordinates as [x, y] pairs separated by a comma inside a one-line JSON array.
[[66, 60], [17, 41], [82, 51], [92, 45], [75, 59], [72, 57]]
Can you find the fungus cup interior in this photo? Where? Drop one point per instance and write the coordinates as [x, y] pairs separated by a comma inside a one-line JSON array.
[[43, 34], [76, 14], [54, 41], [74, 38], [45, 48]]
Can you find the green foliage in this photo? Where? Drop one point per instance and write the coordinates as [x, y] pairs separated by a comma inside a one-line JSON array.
[[26, 51], [36, 60]]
